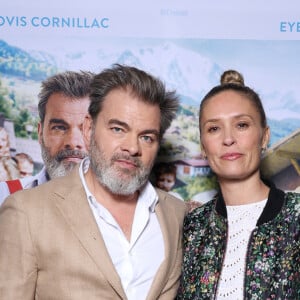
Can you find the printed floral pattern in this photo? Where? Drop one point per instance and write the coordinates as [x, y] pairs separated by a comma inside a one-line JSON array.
[[272, 262]]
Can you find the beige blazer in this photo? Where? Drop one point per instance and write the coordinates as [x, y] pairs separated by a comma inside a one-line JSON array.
[[51, 247]]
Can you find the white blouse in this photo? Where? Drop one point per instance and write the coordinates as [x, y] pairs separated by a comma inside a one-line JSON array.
[[242, 220]]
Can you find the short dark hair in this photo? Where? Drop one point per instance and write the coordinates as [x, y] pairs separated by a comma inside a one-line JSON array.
[[75, 85], [245, 91], [145, 86], [161, 168]]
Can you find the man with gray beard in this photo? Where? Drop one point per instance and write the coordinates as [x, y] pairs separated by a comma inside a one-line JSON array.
[[63, 105], [103, 231]]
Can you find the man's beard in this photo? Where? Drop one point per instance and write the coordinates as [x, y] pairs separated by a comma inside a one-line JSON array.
[[119, 181], [55, 165]]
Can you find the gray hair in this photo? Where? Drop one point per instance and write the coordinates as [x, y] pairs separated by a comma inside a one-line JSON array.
[[75, 85], [143, 85]]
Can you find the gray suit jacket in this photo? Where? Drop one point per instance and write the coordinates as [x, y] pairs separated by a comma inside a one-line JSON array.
[[51, 247]]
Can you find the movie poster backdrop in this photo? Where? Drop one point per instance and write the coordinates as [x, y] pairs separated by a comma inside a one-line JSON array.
[[188, 44]]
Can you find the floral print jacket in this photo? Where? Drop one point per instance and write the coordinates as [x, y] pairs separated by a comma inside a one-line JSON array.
[[273, 255]]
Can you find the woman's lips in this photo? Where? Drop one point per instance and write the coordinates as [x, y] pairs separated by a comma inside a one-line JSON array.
[[231, 156]]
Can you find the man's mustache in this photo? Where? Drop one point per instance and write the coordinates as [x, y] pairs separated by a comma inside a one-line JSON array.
[[131, 159], [70, 153]]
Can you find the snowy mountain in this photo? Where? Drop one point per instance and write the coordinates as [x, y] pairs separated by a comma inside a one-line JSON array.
[[191, 73]]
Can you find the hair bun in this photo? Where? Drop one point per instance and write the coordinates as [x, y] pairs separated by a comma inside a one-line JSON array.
[[232, 77]]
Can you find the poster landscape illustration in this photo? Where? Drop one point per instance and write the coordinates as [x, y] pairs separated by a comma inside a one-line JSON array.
[[38, 43]]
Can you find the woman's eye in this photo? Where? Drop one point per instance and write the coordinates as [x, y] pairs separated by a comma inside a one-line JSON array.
[[212, 129], [243, 125]]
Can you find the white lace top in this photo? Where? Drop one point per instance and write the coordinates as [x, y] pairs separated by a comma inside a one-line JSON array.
[[241, 222]]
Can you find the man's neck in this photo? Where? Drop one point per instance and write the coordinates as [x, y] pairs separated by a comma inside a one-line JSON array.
[[121, 207]]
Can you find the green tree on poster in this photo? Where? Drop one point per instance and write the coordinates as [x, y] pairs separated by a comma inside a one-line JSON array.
[[5, 103]]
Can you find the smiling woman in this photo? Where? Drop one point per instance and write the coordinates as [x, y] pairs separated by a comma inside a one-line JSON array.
[[229, 242]]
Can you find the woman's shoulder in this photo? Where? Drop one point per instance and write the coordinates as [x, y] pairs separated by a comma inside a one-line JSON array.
[[201, 213], [293, 201]]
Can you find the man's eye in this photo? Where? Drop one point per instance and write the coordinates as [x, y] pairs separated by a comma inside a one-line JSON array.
[[58, 128], [116, 129], [147, 138]]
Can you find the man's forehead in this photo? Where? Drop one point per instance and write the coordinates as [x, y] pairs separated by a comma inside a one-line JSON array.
[[128, 108], [60, 102], [66, 108]]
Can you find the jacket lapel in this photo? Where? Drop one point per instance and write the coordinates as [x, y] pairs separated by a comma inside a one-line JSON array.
[[166, 217], [71, 200]]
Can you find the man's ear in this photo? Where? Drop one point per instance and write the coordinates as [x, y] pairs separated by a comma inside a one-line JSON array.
[[40, 132], [87, 130]]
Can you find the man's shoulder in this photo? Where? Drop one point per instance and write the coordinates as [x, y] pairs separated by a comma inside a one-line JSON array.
[[47, 194], [61, 185], [30, 181], [11, 186], [58, 184]]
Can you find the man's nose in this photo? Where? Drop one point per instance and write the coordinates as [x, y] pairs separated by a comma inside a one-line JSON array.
[[74, 140], [131, 144]]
